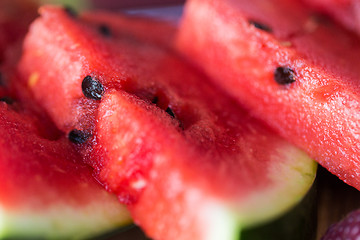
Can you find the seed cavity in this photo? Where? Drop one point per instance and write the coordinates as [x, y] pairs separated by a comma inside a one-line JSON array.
[[284, 75], [260, 26], [170, 112], [105, 30], [7, 100], [70, 11], [155, 100], [92, 88], [78, 136]]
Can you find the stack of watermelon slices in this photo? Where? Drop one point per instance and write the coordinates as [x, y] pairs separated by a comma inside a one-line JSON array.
[[156, 132], [187, 157], [44, 181]]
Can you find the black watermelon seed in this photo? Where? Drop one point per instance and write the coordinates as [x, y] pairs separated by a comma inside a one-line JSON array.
[[284, 75], [155, 100], [78, 136], [70, 11], [92, 88], [260, 26], [7, 100], [170, 112], [105, 30]]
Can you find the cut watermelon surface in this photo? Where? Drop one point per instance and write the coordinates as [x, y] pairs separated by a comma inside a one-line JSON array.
[[291, 69], [99, 35], [46, 191], [189, 161]]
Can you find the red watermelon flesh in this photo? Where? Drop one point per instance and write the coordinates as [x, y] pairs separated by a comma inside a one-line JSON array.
[[46, 191], [185, 157], [15, 18], [314, 102], [59, 23]]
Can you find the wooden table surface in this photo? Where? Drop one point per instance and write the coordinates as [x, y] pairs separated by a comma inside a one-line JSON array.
[[335, 200]]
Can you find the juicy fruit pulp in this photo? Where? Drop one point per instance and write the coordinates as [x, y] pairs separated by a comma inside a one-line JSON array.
[[319, 111], [46, 191], [164, 139]]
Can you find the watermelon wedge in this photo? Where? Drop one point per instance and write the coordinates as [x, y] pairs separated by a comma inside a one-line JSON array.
[[291, 69], [46, 191], [188, 160]]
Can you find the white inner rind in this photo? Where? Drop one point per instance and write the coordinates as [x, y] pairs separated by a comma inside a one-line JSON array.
[[221, 222]]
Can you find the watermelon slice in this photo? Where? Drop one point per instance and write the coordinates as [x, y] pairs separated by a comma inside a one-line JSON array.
[[289, 68], [189, 161], [46, 191]]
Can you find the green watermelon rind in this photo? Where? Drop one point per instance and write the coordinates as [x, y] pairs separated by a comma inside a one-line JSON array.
[[298, 178], [58, 219], [262, 207], [63, 222], [76, 5]]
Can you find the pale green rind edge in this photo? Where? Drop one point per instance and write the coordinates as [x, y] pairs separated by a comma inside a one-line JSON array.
[[224, 221], [63, 222], [74, 4], [292, 179]]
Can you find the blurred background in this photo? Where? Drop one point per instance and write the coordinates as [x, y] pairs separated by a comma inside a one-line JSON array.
[[114, 4]]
